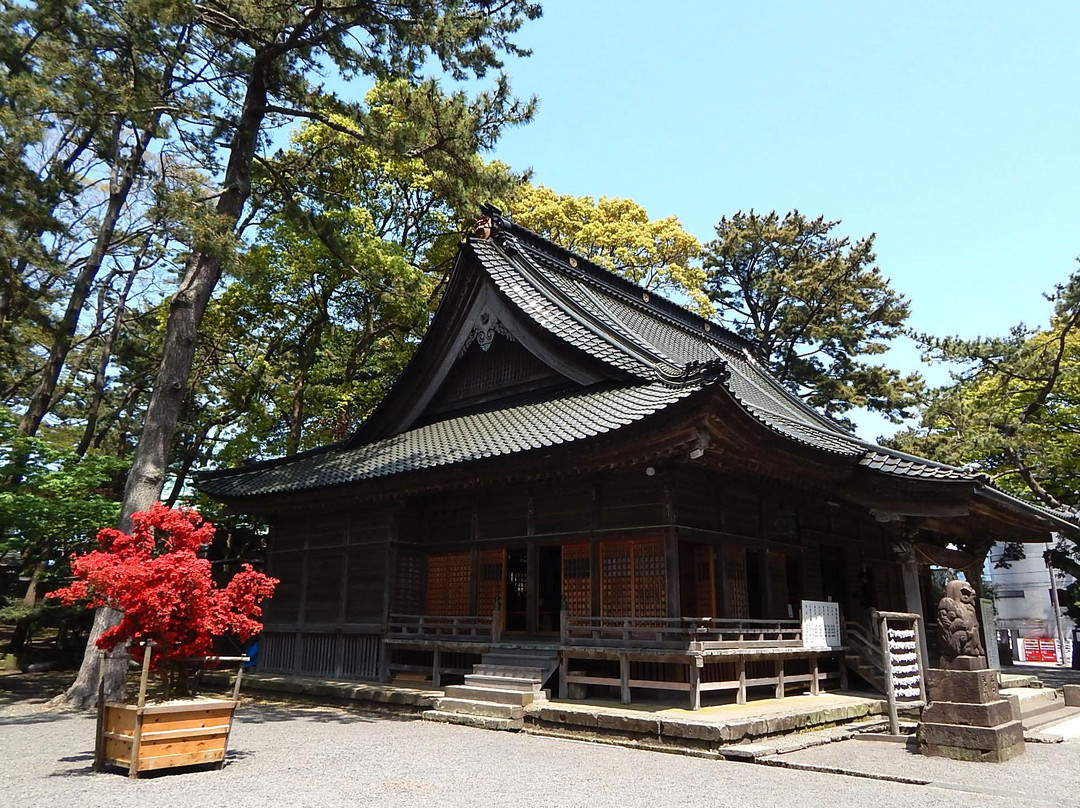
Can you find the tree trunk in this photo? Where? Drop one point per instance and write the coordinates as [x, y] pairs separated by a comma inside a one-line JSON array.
[[186, 310]]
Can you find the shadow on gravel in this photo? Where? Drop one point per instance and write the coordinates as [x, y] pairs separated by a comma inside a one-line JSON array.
[[43, 717], [267, 713]]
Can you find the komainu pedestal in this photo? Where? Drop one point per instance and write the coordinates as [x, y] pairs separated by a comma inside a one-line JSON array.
[[966, 718]]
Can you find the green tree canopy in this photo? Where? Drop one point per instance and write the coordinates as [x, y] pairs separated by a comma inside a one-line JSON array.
[[816, 304], [618, 235], [1013, 406]]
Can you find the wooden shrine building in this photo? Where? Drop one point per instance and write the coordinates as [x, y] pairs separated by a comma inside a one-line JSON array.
[[577, 467]]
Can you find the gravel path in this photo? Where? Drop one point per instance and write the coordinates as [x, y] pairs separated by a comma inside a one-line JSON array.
[[283, 755]]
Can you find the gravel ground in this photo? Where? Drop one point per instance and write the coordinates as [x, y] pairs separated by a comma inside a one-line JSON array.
[[1045, 771], [289, 755]]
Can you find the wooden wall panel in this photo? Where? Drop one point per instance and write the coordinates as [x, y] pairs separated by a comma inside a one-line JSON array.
[[577, 578], [741, 511], [284, 606], [322, 600], [704, 581], [288, 534], [504, 514], [329, 531], [776, 569], [633, 500], [696, 502], [563, 508], [365, 584], [370, 526]]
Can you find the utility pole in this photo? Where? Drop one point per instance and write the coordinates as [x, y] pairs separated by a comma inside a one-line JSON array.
[[1055, 600]]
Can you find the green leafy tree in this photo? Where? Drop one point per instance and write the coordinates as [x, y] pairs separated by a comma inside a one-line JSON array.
[[55, 509], [1012, 412], [1013, 406], [817, 305], [260, 58], [618, 235]]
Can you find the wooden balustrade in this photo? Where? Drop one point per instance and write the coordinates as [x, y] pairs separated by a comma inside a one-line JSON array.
[[466, 628], [690, 633]]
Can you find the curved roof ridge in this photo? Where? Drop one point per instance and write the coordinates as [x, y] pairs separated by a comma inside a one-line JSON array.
[[604, 277], [615, 334]]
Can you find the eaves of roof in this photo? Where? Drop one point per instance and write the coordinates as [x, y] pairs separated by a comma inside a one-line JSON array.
[[457, 440]]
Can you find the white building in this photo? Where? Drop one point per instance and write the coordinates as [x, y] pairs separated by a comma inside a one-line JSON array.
[[1022, 598]]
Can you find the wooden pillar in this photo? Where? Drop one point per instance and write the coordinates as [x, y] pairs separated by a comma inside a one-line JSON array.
[[780, 678], [815, 685], [436, 667], [564, 670], [624, 678], [695, 683], [741, 697], [532, 588], [913, 600], [671, 557], [671, 551]]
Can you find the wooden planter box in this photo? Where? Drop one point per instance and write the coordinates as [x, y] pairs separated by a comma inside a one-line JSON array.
[[184, 732]]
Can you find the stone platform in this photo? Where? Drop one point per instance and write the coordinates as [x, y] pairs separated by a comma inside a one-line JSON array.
[[967, 719]]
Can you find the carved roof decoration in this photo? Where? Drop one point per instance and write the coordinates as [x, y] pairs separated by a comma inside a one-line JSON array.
[[627, 355]]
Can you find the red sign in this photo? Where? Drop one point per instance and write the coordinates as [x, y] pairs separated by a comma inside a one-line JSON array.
[[1040, 649]]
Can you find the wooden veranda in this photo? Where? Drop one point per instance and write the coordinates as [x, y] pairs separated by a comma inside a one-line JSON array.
[[691, 655]]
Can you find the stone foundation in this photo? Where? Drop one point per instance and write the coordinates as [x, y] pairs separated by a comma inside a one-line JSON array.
[[967, 719]]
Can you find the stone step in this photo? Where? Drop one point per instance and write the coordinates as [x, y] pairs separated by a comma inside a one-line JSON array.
[[541, 663], [530, 685], [525, 650], [1033, 700], [1018, 680], [512, 671], [1048, 718], [478, 721], [514, 712], [493, 694]]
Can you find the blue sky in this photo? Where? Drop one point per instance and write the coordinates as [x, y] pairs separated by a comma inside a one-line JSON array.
[[949, 130]]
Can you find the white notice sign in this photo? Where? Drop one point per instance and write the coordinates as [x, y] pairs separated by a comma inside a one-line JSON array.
[[821, 624]]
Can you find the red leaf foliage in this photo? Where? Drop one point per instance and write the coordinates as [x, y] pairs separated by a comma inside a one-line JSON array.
[[155, 577]]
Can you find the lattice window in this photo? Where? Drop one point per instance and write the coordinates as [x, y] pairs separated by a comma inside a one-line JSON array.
[[408, 586], [650, 579], [633, 579], [449, 578], [577, 578], [736, 595], [616, 579], [776, 564], [492, 574]]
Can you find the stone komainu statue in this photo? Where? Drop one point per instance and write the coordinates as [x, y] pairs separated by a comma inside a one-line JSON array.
[[958, 626]]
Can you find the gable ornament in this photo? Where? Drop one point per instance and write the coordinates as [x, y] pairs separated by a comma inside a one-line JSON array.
[[484, 329]]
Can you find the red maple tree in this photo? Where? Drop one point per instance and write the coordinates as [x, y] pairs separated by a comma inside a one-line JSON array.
[[165, 591]]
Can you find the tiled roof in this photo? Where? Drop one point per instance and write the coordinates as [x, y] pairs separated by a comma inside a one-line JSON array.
[[470, 437], [904, 465], [641, 334]]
